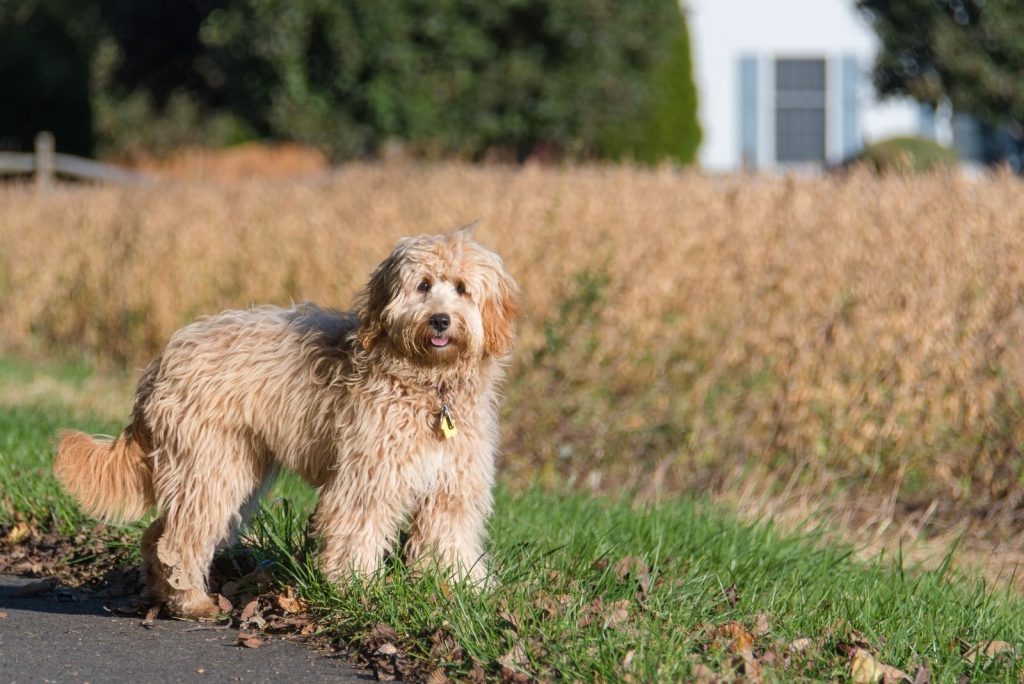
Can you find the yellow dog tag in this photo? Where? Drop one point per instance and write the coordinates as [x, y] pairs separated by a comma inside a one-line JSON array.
[[447, 423]]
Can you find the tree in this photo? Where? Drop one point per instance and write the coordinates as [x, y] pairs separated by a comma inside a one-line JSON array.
[[461, 76], [45, 50], [969, 51]]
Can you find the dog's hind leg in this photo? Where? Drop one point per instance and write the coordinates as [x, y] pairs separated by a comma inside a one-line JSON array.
[[200, 501]]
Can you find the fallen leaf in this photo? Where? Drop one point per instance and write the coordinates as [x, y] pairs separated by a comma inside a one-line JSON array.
[[702, 674], [3, 614], [289, 604], [505, 614], [553, 606], [477, 674], [627, 661], [513, 663], [151, 614], [437, 676], [631, 565], [36, 588], [989, 649], [379, 634], [801, 645], [223, 604], [923, 675], [732, 595], [250, 640], [865, 669], [386, 649], [443, 646], [619, 614], [601, 564], [740, 639], [18, 533], [249, 611], [761, 625]]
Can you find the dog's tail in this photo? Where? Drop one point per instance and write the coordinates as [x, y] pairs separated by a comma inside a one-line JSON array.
[[111, 478]]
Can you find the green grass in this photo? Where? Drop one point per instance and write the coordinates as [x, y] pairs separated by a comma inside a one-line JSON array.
[[706, 569], [563, 597]]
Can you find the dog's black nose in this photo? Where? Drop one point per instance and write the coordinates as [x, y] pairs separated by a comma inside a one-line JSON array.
[[440, 322]]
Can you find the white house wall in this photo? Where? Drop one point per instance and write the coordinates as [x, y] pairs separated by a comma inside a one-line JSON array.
[[723, 31]]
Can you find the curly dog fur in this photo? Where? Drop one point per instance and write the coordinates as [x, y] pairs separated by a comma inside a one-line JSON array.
[[352, 402]]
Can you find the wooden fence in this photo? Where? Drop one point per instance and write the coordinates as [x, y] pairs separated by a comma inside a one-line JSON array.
[[46, 164]]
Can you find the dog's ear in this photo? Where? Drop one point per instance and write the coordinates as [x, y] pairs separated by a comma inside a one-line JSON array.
[[378, 293], [466, 231], [500, 309]]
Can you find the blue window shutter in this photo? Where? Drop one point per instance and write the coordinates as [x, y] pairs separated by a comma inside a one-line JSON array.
[[851, 121], [926, 121], [748, 112]]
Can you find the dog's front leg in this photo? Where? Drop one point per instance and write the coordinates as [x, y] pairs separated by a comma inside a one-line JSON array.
[[450, 525], [356, 526]]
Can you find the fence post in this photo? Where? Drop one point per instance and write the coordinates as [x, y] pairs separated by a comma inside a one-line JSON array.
[[44, 161]]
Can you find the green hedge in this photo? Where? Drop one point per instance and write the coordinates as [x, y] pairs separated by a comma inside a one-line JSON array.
[[472, 78]]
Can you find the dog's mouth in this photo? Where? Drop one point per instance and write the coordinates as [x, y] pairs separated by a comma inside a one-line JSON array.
[[440, 341]]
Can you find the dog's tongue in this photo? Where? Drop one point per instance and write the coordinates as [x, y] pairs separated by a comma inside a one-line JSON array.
[[439, 341]]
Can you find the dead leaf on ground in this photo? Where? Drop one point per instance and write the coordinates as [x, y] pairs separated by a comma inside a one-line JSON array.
[[631, 566], [989, 649], [761, 627], [923, 675], [18, 533], [553, 606], [249, 611], [3, 614], [380, 633], [387, 649], [514, 663], [801, 645], [477, 674], [36, 588], [250, 640], [223, 604], [732, 595], [627, 661], [437, 676], [741, 643], [508, 616], [702, 674], [151, 614], [444, 647], [289, 603], [865, 669], [618, 613]]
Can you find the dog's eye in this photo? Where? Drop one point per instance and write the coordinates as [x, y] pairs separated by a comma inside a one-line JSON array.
[[424, 286], [461, 288]]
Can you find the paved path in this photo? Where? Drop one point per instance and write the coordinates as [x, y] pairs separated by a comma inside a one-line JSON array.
[[69, 637]]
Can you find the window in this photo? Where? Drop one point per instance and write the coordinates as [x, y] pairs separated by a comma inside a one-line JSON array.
[[799, 110]]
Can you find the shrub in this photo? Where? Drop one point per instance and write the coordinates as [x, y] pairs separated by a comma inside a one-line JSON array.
[[911, 154]]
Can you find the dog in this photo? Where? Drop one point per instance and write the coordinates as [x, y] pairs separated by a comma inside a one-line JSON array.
[[390, 411]]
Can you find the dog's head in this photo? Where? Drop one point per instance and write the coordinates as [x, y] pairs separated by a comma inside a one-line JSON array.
[[440, 298]]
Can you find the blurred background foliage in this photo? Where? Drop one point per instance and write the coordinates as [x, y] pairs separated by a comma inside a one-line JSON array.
[[502, 79], [968, 51]]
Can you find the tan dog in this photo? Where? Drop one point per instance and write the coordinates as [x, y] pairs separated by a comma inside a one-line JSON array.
[[391, 412]]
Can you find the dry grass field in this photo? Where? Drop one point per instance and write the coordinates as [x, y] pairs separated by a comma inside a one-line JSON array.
[[850, 346]]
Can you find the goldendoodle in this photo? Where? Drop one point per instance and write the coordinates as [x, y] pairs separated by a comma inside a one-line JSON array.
[[390, 411]]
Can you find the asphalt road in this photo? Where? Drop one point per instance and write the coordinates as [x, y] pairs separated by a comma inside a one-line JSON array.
[[67, 636]]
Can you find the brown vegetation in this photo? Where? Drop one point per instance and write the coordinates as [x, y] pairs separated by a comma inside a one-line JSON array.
[[858, 337]]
